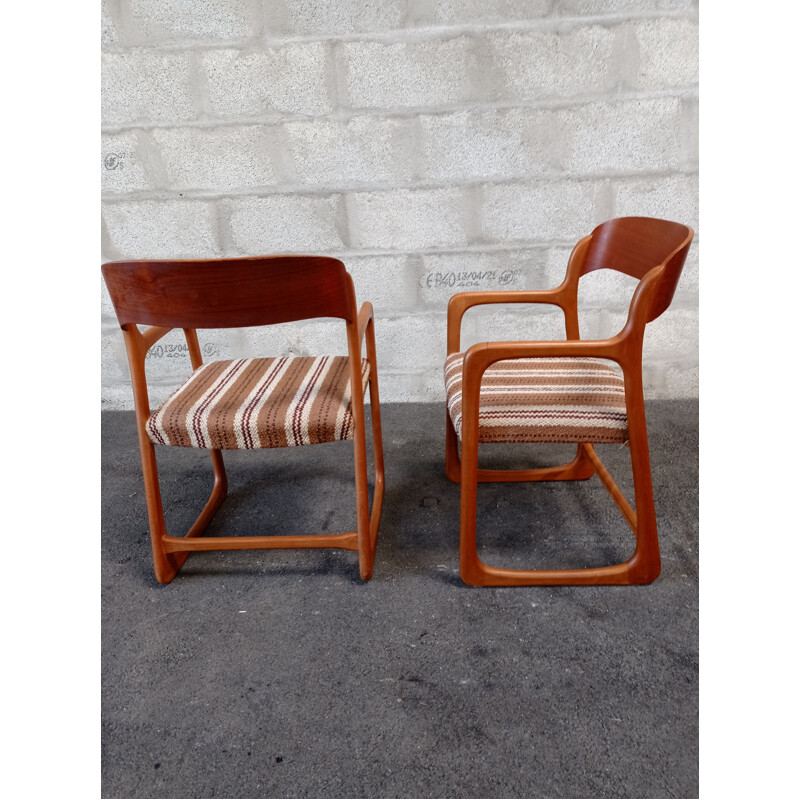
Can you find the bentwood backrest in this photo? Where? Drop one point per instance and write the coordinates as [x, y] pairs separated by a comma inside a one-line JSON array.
[[280, 401], [229, 293], [565, 391], [642, 247]]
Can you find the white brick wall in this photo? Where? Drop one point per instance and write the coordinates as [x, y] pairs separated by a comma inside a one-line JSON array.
[[553, 64], [407, 74], [434, 147], [269, 82]]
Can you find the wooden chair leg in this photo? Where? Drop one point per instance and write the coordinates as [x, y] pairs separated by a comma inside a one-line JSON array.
[[452, 463], [377, 449], [167, 564], [476, 573], [365, 553], [368, 522], [645, 564], [642, 567]]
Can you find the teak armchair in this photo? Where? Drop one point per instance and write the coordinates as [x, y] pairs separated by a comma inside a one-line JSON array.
[[559, 391], [249, 403]]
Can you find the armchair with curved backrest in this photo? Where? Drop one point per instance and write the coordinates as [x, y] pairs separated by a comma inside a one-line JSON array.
[[562, 391], [249, 403]]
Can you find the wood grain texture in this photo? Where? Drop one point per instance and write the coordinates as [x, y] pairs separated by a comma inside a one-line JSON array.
[[652, 250], [244, 292], [228, 293]]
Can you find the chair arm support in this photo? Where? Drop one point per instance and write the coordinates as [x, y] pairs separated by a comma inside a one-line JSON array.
[[459, 303], [152, 335], [365, 315], [466, 300]]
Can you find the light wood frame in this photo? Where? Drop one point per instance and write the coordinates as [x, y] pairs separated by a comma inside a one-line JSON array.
[[649, 249], [233, 293]]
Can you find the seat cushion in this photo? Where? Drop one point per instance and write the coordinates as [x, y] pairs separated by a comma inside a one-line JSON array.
[[543, 400], [260, 402]]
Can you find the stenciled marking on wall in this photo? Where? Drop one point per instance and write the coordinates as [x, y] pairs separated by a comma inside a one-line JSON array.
[[179, 350], [467, 279], [114, 161]]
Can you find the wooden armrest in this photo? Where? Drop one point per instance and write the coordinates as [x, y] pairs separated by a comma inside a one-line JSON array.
[[459, 303], [365, 314], [463, 300]]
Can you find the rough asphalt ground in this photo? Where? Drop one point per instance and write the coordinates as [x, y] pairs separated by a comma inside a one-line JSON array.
[[281, 674]]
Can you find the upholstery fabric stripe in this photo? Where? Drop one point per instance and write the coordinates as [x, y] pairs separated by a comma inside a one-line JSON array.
[[260, 402], [543, 400]]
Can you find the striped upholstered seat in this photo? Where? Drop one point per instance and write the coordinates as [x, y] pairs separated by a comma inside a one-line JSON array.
[[259, 402], [543, 400]]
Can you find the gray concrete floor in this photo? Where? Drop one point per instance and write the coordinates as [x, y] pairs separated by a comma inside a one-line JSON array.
[[281, 674]]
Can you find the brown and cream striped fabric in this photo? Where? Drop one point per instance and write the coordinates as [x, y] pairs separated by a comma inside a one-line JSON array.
[[543, 400], [260, 402]]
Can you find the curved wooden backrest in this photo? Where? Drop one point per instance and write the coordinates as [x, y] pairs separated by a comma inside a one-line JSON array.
[[634, 245], [637, 245], [229, 292]]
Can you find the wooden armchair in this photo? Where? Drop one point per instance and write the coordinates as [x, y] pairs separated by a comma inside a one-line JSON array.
[[249, 403], [558, 391]]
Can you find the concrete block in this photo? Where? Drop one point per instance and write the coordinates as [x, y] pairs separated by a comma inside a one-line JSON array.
[[167, 363], [362, 150], [690, 140], [285, 224], [107, 313], [602, 138], [590, 323], [430, 12], [682, 381], [447, 274], [407, 74], [402, 387], [429, 387], [157, 21], [513, 323], [273, 82], [215, 159], [145, 86], [108, 30], [606, 289], [674, 197], [603, 288], [689, 283], [408, 219], [302, 338], [673, 336], [548, 210], [168, 359], [538, 65], [117, 397], [555, 265], [162, 229], [113, 358], [123, 160], [344, 16], [599, 7], [668, 53], [653, 380], [388, 282], [489, 144], [412, 342]]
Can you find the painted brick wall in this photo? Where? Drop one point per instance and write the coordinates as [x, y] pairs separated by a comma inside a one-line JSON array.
[[434, 147]]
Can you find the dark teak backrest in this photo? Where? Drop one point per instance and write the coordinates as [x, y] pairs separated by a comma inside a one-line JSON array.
[[637, 245], [230, 292]]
